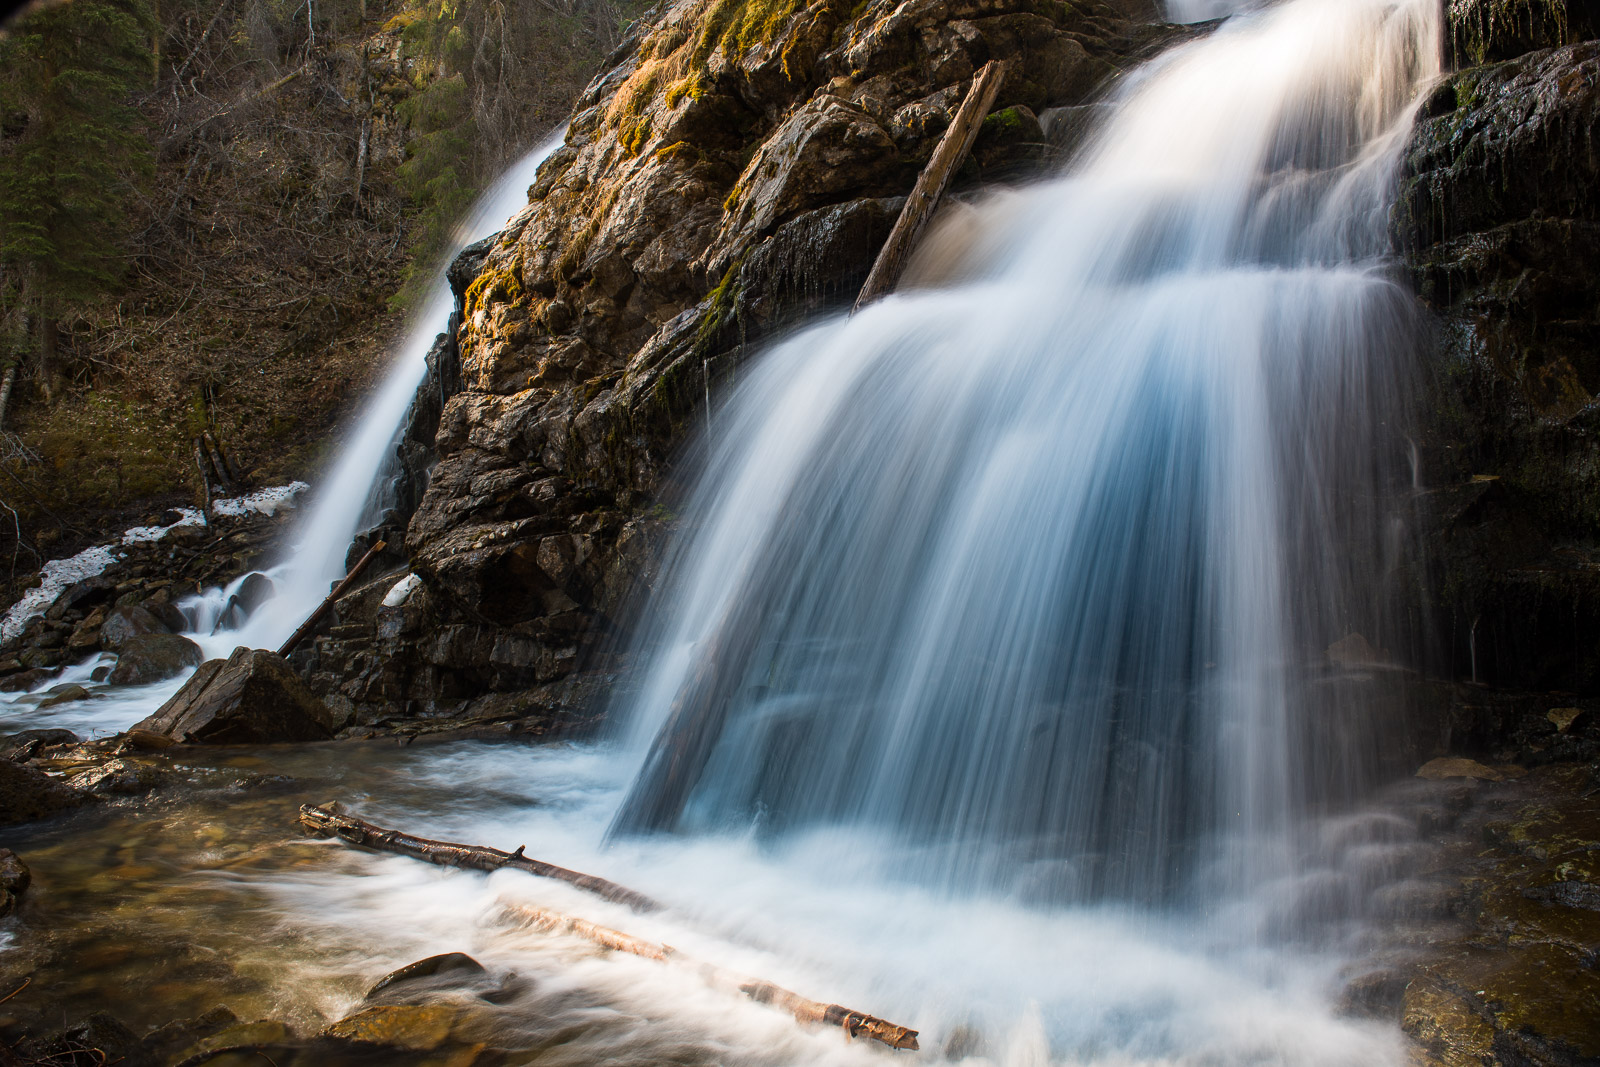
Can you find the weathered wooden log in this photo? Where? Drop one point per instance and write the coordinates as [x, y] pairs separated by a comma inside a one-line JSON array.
[[931, 184], [328, 823], [333, 597], [854, 1023]]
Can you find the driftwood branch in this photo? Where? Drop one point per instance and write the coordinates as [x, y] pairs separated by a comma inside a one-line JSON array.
[[854, 1023], [333, 597], [931, 184], [328, 823]]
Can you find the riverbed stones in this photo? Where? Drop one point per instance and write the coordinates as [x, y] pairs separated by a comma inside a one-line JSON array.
[[253, 697], [27, 794], [14, 878], [153, 657], [414, 1027]]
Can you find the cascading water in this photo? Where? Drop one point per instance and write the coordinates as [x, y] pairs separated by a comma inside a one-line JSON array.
[[1032, 573], [986, 686], [351, 495]]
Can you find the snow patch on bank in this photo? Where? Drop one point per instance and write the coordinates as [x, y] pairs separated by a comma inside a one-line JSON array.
[[59, 574]]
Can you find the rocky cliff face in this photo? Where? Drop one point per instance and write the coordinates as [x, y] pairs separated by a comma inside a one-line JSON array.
[[1500, 223], [735, 169]]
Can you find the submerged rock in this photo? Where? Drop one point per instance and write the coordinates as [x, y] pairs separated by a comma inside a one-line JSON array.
[[63, 694], [20, 747], [253, 697], [27, 794], [414, 1027], [14, 878], [457, 964], [27, 680]]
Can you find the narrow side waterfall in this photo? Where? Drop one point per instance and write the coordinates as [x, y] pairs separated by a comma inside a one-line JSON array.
[[351, 496], [1030, 575]]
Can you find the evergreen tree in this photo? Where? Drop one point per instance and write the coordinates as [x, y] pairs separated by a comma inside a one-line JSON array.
[[69, 147]]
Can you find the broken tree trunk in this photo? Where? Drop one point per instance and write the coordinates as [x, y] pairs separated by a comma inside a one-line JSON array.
[[329, 823], [931, 184], [854, 1023], [327, 605]]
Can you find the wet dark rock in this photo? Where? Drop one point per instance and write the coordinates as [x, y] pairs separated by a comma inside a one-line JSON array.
[[14, 878], [117, 777], [255, 590], [27, 794], [63, 694], [153, 657], [1499, 219], [1509, 978], [21, 746], [253, 697], [1488, 31], [255, 1037], [167, 1040], [100, 1038], [1375, 995], [413, 1027], [1010, 141], [25, 681], [129, 622], [450, 967]]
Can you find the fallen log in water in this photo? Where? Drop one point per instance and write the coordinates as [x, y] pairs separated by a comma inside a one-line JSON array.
[[328, 823], [332, 598], [932, 182], [854, 1023]]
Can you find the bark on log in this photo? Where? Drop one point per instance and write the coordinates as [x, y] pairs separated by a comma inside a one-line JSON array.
[[327, 605], [931, 184], [329, 823], [5, 391], [854, 1023]]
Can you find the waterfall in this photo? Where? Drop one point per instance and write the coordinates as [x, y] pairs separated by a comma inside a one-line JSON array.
[[351, 495], [1029, 576]]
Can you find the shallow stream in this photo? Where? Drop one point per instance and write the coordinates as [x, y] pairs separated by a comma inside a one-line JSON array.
[[210, 895]]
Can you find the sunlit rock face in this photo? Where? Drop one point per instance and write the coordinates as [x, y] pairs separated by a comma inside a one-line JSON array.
[[1500, 222], [736, 169]]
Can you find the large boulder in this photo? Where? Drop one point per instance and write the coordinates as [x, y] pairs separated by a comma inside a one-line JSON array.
[[250, 698], [27, 794], [146, 658], [126, 623]]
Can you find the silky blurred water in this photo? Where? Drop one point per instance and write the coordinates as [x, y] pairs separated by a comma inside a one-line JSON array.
[[985, 690], [1033, 573]]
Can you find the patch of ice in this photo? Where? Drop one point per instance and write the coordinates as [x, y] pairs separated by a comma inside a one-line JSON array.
[[401, 591], [58, 574], [53, 578], [266, 501]]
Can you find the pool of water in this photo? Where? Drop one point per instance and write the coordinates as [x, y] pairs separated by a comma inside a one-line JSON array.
[[208, 894]]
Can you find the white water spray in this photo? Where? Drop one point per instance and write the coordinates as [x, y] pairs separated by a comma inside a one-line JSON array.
[[1031, 576]]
